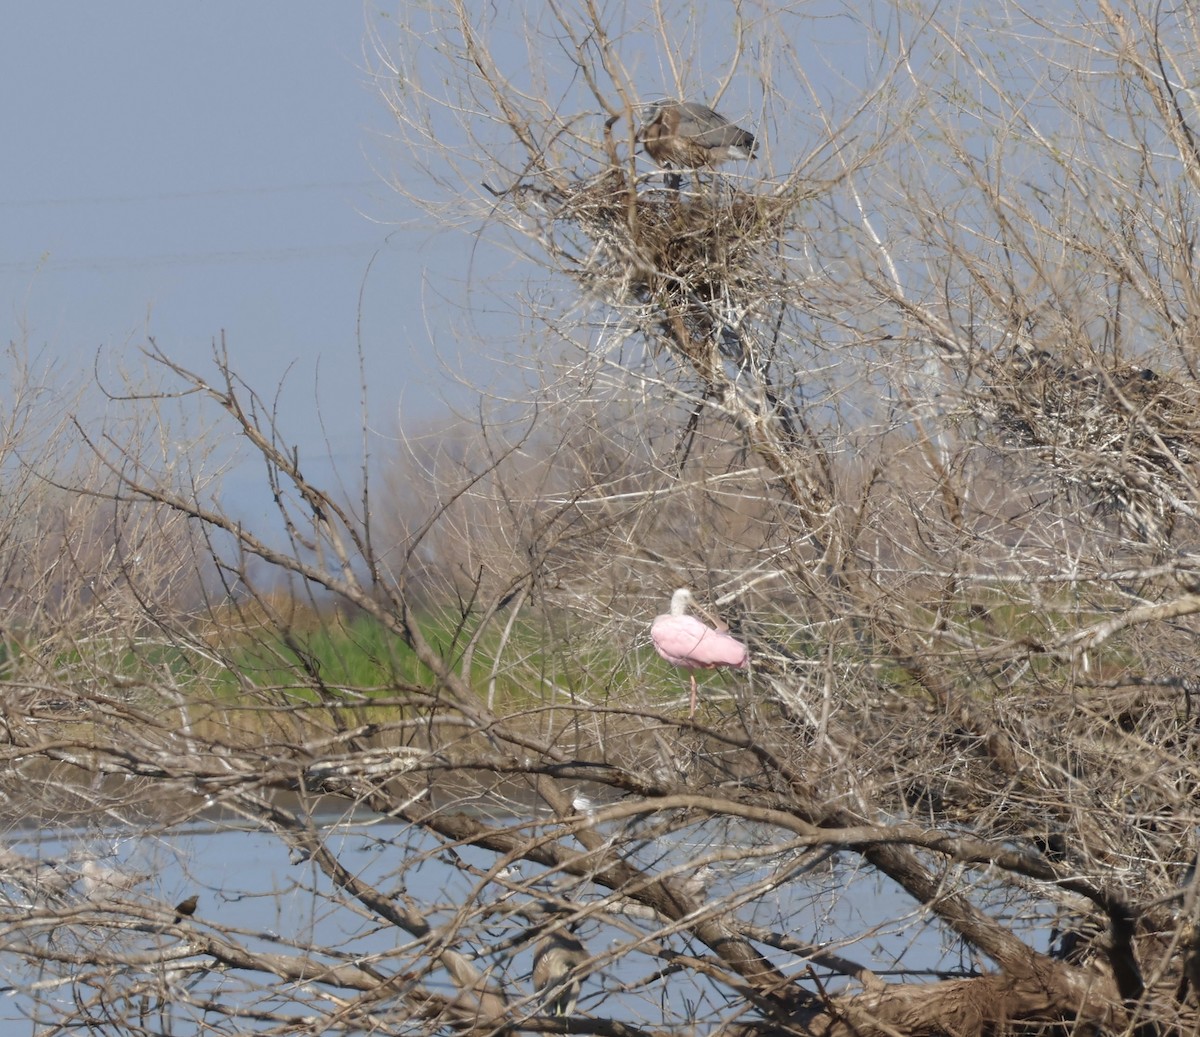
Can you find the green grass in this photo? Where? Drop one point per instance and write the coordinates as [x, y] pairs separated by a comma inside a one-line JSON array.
[[332, 655]]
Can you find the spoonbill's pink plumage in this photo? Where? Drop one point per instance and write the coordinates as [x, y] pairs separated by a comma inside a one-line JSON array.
[[687, 642]]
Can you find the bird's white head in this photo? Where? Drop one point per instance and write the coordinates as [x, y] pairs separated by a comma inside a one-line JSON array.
[[680, 601]]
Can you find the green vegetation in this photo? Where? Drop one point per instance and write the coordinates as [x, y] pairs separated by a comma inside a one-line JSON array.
[[315, 658]]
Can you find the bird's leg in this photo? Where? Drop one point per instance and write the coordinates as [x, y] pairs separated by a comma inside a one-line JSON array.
[[692, 711]]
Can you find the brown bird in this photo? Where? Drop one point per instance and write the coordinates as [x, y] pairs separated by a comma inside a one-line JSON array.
[[554, 959], [688, 135], [186, 908]]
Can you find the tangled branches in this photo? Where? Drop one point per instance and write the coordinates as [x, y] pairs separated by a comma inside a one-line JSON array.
[[1122, 436]]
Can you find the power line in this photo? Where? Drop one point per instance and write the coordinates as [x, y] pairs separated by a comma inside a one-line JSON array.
[[48, 264], [175, 196]]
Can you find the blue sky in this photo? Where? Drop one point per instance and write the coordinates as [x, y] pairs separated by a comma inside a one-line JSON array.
[[179, 171], [186, 171]]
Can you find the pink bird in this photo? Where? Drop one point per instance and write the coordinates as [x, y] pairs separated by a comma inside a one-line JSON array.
[[686, 642]]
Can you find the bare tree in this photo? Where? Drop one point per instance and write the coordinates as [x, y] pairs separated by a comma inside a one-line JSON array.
[[913, 410]]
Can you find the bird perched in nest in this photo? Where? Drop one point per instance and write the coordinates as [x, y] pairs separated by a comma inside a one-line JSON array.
[[688, 135], [687, 642], [554, 958]]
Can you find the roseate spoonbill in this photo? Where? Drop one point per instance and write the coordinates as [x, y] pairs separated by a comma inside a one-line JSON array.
[[554, 958], [686, 642], [687, 135]]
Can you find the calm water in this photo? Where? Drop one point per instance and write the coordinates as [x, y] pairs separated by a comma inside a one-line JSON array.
[[274, 901]]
